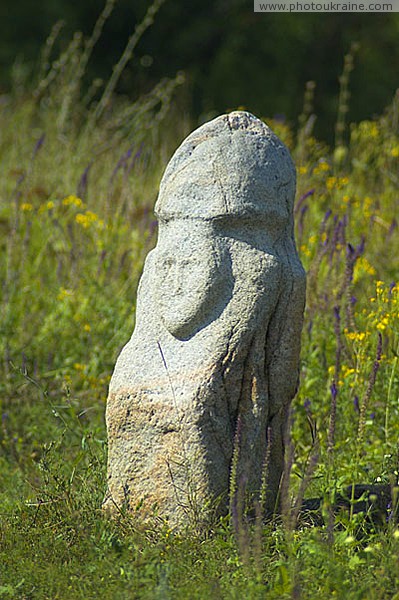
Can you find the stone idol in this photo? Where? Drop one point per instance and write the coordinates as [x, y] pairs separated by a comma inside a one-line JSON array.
[[200, 394]]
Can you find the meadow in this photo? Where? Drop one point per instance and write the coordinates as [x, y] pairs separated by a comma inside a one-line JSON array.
[[78, 186]]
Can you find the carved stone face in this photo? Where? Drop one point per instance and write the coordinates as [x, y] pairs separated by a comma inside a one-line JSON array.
[[188, 278]]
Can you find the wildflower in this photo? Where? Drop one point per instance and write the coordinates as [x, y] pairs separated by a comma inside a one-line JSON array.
[[72, 201], [26, 207], [86, 327], [333, 390], [64, 293], [354, 336], [381, 325], [379, 285], [321, 167], [336, 182], [362, 265], [86, 219], [395, 152], [331, 182], [373, 130], [347, 371], [50, 205], [302, 170], [79, 367]]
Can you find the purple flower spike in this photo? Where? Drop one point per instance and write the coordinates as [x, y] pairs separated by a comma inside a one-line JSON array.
[[353, 300], [393, 226], [350, 251], [334, 390], [38, 144], [356, 404], [135, 158], [337, 313], [82, 185], [303, 198]]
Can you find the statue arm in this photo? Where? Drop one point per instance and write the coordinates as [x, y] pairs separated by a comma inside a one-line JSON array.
[[284, 342]]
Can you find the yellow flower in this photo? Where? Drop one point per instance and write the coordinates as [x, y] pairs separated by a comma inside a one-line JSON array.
[[362, 265], [347, 371], [354, 336], [72, 200], [79, 367], [64, 293], [336, 182], [86, 327], [395, 152], [305, 250], [321, 167], [86, 219], [373, 130], [331, 182], [26, 206], [382, 324], [302, 170], [50, 204]]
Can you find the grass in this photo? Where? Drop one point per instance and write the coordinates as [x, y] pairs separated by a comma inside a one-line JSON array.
[[76, 199]]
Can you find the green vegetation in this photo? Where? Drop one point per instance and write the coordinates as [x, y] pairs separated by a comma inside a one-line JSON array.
[[230, 55], [78, 185]]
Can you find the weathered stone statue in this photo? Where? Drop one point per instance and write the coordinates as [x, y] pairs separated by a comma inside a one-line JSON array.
[[204, 385]]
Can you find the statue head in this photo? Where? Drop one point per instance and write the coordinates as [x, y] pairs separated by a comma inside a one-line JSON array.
[[232, 166], [232, 170]]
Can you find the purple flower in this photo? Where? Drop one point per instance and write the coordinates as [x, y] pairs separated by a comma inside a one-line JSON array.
[[38, 145], [82, 185], [337, 313], [303, 198], [327, 216], [393, 226], [334, 390]]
